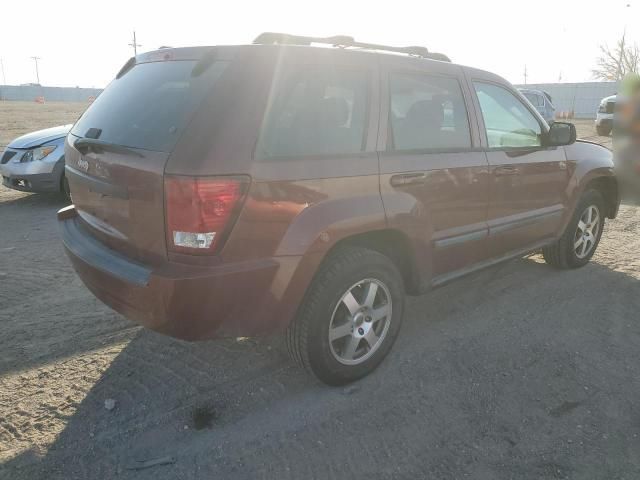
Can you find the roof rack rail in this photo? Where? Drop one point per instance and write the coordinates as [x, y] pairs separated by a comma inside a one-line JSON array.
[[272, 38]]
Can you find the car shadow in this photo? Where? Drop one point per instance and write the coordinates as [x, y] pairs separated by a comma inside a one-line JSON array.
[[34, 200], [156, 383], [513, 346]]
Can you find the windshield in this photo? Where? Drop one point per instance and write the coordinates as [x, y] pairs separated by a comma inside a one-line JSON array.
[[150, 105]]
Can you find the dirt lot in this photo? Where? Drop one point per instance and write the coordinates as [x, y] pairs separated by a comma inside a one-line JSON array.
[[518, 372], [18, 118]]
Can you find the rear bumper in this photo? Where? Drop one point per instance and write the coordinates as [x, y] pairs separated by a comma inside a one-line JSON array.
[[183, 301]]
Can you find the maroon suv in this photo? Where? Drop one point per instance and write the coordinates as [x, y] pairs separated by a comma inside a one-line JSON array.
[[241, 190]]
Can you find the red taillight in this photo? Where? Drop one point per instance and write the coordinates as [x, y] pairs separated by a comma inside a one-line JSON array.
[[200, 211]]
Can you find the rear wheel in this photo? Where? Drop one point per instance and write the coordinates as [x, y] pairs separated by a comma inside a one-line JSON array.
[[580, 240], [350, 318]]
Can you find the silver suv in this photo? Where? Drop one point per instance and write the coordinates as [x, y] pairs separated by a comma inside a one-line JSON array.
[[604, 117]]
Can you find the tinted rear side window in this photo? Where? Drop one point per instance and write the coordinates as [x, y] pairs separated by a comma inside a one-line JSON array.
[[534, 99], [150, 105], [316, 112], [428, 112]]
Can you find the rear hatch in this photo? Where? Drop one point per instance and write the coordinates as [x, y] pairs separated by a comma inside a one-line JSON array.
[[117, 151]]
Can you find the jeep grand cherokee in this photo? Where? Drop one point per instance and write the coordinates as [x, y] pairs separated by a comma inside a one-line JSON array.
[[287, 186]]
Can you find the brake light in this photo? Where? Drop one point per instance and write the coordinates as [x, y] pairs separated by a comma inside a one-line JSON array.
[[201, 211]]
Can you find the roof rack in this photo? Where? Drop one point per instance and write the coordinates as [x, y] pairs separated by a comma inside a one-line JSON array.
[[272, 38]]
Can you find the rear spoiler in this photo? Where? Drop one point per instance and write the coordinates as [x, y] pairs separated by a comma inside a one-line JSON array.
[[205, 58]]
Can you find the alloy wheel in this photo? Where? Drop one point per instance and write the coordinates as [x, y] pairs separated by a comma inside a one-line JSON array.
[[587, 232], [360, 321]]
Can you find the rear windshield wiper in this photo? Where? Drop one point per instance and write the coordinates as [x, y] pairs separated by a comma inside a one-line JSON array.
[[85, 144]]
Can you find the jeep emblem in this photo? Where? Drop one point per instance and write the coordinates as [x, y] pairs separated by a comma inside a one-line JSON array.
[[83, 164]]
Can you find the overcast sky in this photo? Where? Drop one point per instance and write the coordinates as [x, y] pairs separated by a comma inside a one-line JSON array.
[[84, 43]]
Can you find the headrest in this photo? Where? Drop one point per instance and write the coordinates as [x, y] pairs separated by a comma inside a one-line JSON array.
[[425, 112]]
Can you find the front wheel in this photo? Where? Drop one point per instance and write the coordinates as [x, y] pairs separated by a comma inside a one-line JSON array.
[[603, 131], [350, 317], [580, 240]]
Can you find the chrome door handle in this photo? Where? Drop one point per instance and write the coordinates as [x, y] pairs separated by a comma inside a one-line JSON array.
[[506, 170], [408, 179]]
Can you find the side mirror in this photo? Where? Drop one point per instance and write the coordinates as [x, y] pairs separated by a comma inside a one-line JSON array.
[[561, 133]]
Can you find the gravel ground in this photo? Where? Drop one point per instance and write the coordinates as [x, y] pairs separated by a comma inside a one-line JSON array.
[[517, 372]]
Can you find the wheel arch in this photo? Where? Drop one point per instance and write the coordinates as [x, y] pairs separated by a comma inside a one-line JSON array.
[[305, 268], [58, 171], [392, 243], [594, 169], [607, 186]]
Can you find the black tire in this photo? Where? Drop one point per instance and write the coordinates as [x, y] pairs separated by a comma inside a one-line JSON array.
[[308, 334], [603, 131], [562, 254]]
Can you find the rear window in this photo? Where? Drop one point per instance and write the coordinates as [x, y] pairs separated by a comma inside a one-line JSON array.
[[535, 100], [150, 105], [316, 112]]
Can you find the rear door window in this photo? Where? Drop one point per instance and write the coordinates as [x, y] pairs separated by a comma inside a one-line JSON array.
[[150, 105], [316, 112], [428, 112]]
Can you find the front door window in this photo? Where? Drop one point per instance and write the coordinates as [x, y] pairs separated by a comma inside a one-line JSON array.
[[508, 122]]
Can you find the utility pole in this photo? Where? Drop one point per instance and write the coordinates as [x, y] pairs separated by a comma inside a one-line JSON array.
[[525, 74], [35, 59], [135, 44]]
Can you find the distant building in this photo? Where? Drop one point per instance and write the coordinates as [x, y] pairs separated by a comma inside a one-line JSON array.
[[582, 98]]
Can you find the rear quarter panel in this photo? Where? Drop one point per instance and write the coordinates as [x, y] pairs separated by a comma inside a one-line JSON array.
[[298, 208], [298, 222]]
